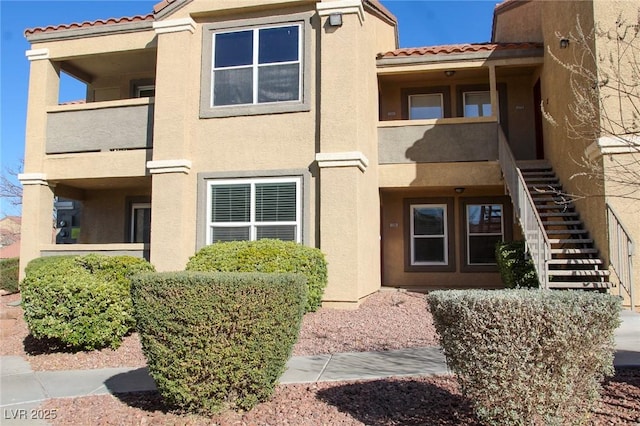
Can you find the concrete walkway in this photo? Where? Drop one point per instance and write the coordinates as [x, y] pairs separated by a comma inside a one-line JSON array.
[[22, 390]]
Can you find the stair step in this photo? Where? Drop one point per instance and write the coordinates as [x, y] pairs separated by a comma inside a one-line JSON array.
[[574, 251], [580, 285], [566, 231], [533, 165], [578, 273], [526, 174], [538, 198], [563, 214], [541, 179], [575, 261], [561, 222], [570, 240], [554, 206], [544, 186]]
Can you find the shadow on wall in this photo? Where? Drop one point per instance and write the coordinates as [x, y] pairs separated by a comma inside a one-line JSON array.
[[452, 143]]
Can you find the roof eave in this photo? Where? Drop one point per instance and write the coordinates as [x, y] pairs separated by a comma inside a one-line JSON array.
[[88, 31], [460, 57]]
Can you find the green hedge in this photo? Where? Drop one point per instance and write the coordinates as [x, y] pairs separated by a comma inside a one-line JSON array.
[[527, 356], [516, 269], [266, 256], [81, 301], [9, 274], [217, 340]]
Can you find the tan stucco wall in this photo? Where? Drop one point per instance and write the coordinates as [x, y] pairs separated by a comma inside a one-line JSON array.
[[624, 198], [440, 174], [564, 151], [394, 234], [105, 214], [342, 119], [519, 23]]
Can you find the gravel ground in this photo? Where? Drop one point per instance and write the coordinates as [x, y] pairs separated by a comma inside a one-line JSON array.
[[386, 320], [416, 401]]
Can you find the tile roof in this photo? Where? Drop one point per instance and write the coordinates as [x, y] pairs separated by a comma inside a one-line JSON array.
[[456, 48], [97, 23], [157, 8], [160, 6]]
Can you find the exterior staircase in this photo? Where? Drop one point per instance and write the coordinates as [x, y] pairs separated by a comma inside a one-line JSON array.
[[574, 261]]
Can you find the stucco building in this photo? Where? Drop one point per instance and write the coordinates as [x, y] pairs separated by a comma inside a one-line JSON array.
[[302, 120]]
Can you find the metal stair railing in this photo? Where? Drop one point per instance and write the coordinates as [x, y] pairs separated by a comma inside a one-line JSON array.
[[620, 253], [536, 239]]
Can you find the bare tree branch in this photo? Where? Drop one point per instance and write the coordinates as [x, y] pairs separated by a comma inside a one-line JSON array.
[[605, 104]]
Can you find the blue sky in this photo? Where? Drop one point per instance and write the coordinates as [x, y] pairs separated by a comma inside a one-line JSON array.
[[421, 23]]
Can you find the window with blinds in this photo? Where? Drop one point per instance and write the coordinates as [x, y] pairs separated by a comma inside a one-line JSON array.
[[253, 209]]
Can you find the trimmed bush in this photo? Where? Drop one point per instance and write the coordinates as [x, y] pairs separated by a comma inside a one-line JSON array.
[[81, 301], [217, 340], [527, 356], [9, 274], [516, 269], [266, 256]]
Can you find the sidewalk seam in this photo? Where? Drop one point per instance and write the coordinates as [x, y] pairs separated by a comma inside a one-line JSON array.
[[324, 367]]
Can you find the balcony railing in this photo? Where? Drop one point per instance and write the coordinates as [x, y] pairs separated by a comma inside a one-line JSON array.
[[536, 239], [438, 141], [621, 254], [100, 126]]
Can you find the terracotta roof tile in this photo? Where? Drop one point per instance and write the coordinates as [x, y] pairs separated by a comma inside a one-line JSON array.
[[456, 48], [160, 6], [97, 23]]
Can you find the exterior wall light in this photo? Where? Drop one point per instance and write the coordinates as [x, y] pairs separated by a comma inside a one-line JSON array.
[[564, 43], [459, 190], [449, 73], [335, 19]]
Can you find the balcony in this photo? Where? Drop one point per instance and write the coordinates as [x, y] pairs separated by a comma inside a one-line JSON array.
[[100, 126], [438, 141]]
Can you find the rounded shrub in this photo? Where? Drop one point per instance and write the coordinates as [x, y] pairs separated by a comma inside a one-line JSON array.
[[527, 356], [83, 302], [215, 341], [266, 256], [9, 274]]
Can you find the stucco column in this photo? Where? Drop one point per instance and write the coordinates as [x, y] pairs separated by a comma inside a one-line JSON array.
[[37, 195], [173, 185], [171, 210], [349, 203], [37, 217]]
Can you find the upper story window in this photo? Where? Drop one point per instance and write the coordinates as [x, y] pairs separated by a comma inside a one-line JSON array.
[[477, 104], [425, 106], [146, 91], [256, 66]]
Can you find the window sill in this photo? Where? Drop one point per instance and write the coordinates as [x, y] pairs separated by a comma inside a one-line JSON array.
[[245, 110]]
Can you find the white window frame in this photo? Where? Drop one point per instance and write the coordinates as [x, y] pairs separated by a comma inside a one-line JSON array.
[[440, 95], [140, 89], [469, 234], [253, 224], [255, 65], [134, 207], [444, 235], [464, 103]]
